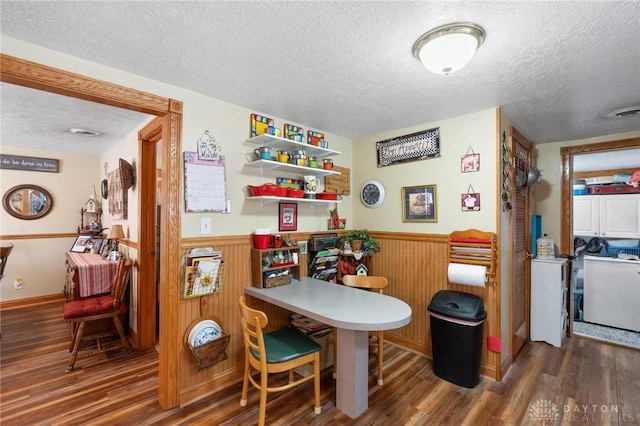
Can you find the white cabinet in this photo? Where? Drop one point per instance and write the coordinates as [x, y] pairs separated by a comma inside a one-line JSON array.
[[549, 300], [612, 292], [272, 166], [610, 216]]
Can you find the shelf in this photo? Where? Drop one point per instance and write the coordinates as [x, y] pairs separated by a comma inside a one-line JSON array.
[[290, 145], [272, 199], [291, 168]]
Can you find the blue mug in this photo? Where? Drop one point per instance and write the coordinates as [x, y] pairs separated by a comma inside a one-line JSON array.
[[264, 152]]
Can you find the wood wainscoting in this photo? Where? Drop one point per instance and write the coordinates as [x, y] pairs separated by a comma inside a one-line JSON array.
[[415, 264]]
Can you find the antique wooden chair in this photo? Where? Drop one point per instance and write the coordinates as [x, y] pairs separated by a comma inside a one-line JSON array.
[[275, 352], [372, 283], [80, 312]]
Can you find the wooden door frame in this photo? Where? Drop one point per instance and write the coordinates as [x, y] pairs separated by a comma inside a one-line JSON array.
[[566, 191], [37, 76]]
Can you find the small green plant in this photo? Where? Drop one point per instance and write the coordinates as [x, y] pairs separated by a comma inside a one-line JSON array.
[[369, 243]]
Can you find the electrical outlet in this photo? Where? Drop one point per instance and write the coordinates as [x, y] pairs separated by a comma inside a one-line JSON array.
[[205, 225], [17, 284]]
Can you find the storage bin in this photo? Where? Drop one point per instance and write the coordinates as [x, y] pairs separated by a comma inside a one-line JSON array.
[[614, 251]]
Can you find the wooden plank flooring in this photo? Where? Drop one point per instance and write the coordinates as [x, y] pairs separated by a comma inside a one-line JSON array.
[[590, 383]]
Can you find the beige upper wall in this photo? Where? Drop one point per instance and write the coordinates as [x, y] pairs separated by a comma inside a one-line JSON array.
[[547, 194], [229, 124], [457, 135]]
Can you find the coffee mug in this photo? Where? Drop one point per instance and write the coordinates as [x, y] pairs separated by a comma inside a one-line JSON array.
[[264, 152]]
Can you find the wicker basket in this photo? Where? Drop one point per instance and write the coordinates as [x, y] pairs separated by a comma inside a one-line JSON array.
[[277, 281]]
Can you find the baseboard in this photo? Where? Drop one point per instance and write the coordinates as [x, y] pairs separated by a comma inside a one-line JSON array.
[[20, 303]]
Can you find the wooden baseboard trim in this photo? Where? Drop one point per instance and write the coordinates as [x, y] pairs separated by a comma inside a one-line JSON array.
[[20, 303]]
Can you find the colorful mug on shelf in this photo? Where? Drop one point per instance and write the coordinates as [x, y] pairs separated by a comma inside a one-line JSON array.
[[264, 152], [283, 156], [327, 164]]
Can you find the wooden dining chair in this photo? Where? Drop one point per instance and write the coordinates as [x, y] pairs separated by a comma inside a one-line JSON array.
[[275, 352], [372, 283], [79, 312]]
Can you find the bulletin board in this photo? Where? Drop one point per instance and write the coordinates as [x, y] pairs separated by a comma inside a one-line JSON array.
[[205, 184]]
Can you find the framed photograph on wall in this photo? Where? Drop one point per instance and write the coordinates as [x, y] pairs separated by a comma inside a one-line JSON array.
[[81, 244], [288, 217], [419, 204]]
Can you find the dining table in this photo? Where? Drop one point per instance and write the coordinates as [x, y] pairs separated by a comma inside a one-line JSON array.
[[354, 312]]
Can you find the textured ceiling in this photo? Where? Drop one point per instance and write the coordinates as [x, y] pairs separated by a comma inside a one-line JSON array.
[[557, 68]]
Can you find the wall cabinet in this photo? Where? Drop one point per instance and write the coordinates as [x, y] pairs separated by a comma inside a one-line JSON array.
[[612, 292], [271, 166], [268, 266], [549, 300], [609, 216]]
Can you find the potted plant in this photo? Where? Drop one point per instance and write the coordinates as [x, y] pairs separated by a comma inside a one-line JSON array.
[[360, 240]]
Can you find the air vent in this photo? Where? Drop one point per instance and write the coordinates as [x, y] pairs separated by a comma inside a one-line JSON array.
[[625, 112], [84, 132]]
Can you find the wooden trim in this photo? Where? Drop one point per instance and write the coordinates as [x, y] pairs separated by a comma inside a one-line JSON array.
[[37, 236], [30, 74], [596, 173], [37, 76], [497, 288], [29, 301]]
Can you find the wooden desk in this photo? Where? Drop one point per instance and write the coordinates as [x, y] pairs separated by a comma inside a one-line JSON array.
[[354, 313], [88, 275]]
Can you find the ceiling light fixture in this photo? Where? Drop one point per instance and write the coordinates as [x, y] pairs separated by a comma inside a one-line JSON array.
[[625, 112], [448, 48], [84, 132]]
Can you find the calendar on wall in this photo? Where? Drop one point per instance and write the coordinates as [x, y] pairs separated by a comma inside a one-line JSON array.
[[205, 184]]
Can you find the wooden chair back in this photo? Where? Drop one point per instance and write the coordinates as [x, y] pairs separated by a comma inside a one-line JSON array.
[[120, 282], [368, 282], [253, 321]]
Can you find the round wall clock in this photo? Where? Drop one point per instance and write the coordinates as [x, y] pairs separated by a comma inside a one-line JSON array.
[[372, 193]]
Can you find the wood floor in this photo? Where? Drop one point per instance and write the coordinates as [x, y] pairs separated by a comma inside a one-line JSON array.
[[590, 383]]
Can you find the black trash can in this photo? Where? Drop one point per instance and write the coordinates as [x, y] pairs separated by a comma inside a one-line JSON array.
[[456, 336]]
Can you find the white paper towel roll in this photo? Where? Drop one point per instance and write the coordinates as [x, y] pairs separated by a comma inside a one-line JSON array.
[[460, 273]]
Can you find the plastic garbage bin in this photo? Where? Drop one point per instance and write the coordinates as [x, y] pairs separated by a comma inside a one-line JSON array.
[[456, 336]]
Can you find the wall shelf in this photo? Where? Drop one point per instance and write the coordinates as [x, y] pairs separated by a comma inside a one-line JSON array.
[[290, 145], [267, 165]]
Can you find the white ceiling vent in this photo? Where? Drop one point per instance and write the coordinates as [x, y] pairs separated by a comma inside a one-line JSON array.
[[84, 132], [625, 112]]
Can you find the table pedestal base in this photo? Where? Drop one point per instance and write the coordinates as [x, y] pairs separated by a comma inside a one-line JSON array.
[[352, 387]]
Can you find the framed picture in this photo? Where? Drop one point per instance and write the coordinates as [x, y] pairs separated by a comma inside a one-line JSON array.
[[96, 244], [82, 243], [288, 218], [303, 247], [419, 204]]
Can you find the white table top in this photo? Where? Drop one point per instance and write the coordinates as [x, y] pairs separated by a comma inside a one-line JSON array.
[[337, 305]]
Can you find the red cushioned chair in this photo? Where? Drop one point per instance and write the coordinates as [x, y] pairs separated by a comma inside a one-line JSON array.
[[79, 312]]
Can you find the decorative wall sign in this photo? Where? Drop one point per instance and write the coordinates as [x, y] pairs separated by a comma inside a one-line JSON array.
[[118, 200], [419, 204], [470, 161], [31, 164], [288, 218], [339, 184], [470, 201], [208, 148], [413, 147]]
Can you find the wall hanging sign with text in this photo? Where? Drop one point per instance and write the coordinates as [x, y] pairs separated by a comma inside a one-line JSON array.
[[31, 164], [412, 147]]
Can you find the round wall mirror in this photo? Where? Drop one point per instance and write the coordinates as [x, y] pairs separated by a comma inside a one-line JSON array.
[[27, 202]]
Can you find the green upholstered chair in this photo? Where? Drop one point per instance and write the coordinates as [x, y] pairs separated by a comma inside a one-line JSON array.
[[275, 352]]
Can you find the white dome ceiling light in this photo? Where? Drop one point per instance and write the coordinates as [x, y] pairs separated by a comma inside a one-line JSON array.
[[448, 48]]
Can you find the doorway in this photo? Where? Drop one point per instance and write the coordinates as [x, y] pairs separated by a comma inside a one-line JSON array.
[[592, 163]]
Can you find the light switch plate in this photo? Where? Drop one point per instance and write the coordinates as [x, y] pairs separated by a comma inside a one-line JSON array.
[[205, 225]]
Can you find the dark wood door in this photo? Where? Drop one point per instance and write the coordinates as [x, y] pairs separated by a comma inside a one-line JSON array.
[[520, 291]]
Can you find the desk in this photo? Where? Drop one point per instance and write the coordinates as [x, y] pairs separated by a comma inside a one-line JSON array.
[[88, 275], [354, 313]]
